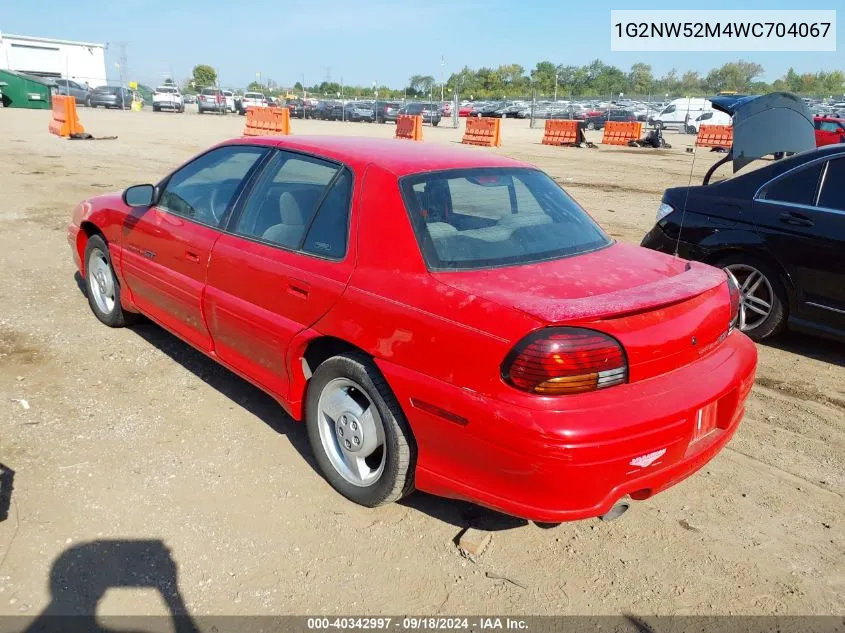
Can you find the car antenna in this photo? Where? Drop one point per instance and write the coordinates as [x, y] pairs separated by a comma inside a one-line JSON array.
[[686, 197]]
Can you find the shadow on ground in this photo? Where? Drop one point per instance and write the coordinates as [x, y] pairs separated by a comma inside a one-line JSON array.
[[82, 575], [458, 513], [825, 350]]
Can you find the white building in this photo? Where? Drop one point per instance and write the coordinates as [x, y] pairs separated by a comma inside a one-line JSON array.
[[79, 61]]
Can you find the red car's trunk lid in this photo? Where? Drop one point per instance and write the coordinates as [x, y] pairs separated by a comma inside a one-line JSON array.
[[665, 311]]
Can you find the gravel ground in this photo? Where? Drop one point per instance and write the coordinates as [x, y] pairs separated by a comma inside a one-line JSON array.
[[141, 463]]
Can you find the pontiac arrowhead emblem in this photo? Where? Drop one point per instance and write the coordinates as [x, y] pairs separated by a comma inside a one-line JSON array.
[[648, 459]]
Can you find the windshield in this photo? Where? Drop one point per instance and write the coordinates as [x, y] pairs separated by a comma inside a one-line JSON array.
[[479, 218], [165, 89]]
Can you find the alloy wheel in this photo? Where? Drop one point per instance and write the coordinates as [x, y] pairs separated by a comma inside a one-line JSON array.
[[756, 295], [351, 432], [101, 281]]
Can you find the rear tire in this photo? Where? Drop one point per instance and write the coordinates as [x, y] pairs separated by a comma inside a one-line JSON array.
[[102, 286], [770, 290], [340, 387]]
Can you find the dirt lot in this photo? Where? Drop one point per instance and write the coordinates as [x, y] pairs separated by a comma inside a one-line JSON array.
[[133, 442]]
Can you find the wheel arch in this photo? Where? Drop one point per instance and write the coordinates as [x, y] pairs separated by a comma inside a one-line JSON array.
[[308, 351], [87, 230], [759, 255]]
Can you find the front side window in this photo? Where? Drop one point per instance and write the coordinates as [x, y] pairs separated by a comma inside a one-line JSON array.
[[829, 126], [796, 188], [281, 207], [203, 190], [480, 218], [669, 110]]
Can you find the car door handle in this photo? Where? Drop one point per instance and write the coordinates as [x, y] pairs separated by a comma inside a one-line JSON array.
[[299, 289], [797, 219], [192, 257]]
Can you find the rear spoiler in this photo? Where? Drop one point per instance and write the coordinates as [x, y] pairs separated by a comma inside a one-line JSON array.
[[775, 123]]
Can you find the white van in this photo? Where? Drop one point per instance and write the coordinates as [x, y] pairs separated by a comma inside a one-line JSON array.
[[709, 117], [682, 112]]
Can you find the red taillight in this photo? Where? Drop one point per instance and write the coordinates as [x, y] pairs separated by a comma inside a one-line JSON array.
[[735, 296], [565, 360]]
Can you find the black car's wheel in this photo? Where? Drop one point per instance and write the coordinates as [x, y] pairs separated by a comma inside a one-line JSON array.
[[590, 125], [101, 285], [763, 301], [691, 129], [358, 433], [88, 102], [658, 125], [435, 123]]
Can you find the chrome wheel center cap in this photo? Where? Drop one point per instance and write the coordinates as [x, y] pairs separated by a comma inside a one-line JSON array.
[[350, 434]]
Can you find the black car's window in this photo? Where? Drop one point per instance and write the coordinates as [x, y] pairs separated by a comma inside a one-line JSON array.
[[328, 232], [798, 187], [479, 218], [832, 195], [203, 189], [280, 208]]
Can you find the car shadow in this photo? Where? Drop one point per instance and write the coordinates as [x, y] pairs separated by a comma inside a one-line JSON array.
[[461, 514], [83, 573], [822, 349]]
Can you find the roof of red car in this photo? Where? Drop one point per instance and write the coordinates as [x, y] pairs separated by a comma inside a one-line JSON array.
[[400, 157]]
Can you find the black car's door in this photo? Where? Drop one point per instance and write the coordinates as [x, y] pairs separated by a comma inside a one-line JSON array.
[[801, 219]]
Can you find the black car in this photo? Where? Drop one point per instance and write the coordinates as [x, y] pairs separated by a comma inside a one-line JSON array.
[[296, 107], [779, 230], [428, 111], [329, 111], [597, 122]]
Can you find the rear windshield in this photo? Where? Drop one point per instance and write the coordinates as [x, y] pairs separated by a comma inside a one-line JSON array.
[[253, 95], [165, 89], [481, 218], [209, 91]]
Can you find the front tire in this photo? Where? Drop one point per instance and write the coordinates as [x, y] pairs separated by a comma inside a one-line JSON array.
[[358, 432], [590, 125], [101, 285], [764, 304]]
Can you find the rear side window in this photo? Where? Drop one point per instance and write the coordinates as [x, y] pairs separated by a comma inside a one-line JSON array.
[[795, 188], [482, 218], [329, 230], [833, 192]]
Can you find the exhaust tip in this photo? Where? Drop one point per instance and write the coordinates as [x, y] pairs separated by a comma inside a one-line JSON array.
[[618, 509]]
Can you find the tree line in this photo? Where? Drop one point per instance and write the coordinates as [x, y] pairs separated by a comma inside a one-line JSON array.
[[547, 79]]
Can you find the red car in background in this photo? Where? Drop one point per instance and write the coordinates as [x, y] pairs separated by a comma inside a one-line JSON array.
[[465, 110], [829, 130], [442, 319]]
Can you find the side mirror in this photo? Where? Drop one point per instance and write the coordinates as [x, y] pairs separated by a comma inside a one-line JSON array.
[[139, 195], [841, 130]]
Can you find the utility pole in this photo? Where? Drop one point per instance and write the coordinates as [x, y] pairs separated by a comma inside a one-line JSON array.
[[442, 66], [122, 64]]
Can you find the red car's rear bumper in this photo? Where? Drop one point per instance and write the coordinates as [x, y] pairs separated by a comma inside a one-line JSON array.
[[579, 455]]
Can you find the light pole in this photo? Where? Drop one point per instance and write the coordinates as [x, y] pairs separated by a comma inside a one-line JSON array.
[[556, 76], [442, 66]]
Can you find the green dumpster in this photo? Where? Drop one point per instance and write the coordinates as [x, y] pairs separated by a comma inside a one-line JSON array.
[[25, 91]]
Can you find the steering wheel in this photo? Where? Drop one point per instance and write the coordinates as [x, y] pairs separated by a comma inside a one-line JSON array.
[[217, 203]]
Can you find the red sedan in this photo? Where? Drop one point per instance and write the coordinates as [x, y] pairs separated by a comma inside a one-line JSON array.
[[829, 130], [444, 319]]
